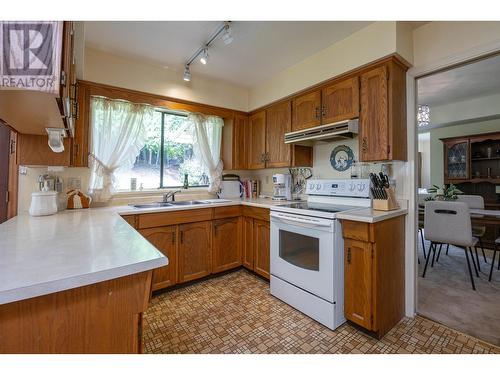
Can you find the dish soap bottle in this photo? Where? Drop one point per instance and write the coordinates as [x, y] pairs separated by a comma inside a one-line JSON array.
[[186, 183]]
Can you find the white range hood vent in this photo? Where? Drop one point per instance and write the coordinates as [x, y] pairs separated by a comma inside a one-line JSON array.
[[337, 130]]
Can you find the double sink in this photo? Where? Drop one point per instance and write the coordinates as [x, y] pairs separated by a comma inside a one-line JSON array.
[[180, 203]]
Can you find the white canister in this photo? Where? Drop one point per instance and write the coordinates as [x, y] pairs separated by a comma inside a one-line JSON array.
[[43, 203]]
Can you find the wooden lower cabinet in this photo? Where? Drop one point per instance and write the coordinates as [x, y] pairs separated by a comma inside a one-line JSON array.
[[101, 318], [226, 249], [165, 240], [247, 243], [374, 282], [261, 239], [358, 282], [195, 251]]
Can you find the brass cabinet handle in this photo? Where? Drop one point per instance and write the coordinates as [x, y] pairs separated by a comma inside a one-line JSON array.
[[364, 144], [267, 156], [349, 255], [317, 113], [323, 111], [262, 158]]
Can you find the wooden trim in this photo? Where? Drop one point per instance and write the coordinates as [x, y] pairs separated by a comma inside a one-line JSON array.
[[113, 92], [356, 71]]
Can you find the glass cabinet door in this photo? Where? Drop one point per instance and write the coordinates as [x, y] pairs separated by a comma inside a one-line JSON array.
[[457, 161]]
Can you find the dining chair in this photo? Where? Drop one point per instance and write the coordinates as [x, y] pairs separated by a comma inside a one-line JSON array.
[[478, 231], [421, 202], [449, 223], [495, 249]]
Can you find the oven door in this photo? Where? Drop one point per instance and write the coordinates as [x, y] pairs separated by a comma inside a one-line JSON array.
[[302, 252]]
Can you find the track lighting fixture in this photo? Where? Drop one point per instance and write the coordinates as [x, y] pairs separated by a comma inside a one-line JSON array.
[[187, 74], [227, 36], [204, 57], [224, 32]]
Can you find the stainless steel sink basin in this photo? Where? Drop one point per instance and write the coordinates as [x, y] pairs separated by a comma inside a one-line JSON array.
[[152, 205], [187, 203]]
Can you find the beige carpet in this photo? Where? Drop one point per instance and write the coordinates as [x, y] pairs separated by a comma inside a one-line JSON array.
[[446, 296]]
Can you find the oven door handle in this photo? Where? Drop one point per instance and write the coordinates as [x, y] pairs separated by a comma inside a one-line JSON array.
[[294, 220]]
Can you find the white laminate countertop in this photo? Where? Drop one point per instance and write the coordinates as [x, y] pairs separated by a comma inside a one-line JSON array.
[[369, 215], [74, 248]]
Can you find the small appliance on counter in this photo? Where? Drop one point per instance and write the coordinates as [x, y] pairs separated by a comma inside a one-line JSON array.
[[230, 187], [43, 203], [282, 187]]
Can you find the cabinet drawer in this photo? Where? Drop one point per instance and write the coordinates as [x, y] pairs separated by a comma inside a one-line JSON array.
[[229, 211], [256, 213], [160, 219], [357, 230]]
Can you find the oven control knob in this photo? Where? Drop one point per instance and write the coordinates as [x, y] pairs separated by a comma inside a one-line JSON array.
[[352, 186], [318, 187], [361, 187]]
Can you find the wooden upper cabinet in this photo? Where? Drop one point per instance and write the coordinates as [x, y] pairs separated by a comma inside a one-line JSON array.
[[195, 251], [256, 141], [374, 129], [261, 240], [382, 127], [306, 111], [226, 250], [278, 122], [239, 146], [358, 287], [340, 101], [80, 141], [165, 240], [34, 150]]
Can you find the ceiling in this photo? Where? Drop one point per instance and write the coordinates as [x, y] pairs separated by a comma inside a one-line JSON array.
[[477, 79], [259, 50]]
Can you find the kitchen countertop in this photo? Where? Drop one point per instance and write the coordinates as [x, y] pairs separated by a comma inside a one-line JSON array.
[[43, 255], [369, 215]]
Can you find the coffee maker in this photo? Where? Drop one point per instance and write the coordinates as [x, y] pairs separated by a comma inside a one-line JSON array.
[[282, 187]]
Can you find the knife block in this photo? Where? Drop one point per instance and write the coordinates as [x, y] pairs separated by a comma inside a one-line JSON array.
[[386, 204]]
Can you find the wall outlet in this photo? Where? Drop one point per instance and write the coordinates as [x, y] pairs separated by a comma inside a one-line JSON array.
[[23, 171]]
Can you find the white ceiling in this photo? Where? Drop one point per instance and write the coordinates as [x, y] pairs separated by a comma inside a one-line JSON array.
[[259, 50], [466, 82]]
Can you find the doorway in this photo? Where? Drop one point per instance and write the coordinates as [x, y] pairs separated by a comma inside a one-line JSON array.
[[458, 132]]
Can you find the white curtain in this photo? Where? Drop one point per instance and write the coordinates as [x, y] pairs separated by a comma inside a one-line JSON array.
[[118, 135], [208, 136]]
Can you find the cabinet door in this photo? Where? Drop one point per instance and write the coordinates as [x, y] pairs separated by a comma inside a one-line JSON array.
[[306, 111], [257, 141], [247, 243], [456, 160], [33, 150], [374, 126], [358, 282], [340, 101], [226, 250], [240, 154], [80, 142], [164, 239], [195, 250], [261, 240], [278, 122]]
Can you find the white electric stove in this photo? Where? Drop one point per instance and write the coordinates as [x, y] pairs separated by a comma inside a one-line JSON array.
[[307, 262]]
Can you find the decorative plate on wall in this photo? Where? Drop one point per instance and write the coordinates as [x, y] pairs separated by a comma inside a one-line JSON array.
[[341, 158]]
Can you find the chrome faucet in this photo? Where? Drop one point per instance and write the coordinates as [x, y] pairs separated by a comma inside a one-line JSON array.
[[169, 196]]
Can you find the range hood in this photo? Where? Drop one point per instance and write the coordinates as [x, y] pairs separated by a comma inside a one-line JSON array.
[[337, 130]]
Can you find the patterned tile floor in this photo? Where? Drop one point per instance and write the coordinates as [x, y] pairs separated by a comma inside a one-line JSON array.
[[235, 313]]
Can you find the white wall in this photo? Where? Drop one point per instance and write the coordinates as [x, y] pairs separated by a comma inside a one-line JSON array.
[[424, 148], [113, 70], [436, 41], [366, 45]]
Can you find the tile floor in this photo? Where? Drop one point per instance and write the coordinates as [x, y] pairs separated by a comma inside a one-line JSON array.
[[235, 313]]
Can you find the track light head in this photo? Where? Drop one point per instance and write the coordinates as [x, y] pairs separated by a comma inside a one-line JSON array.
[[187, 74], [204, 56], [227, 36]]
